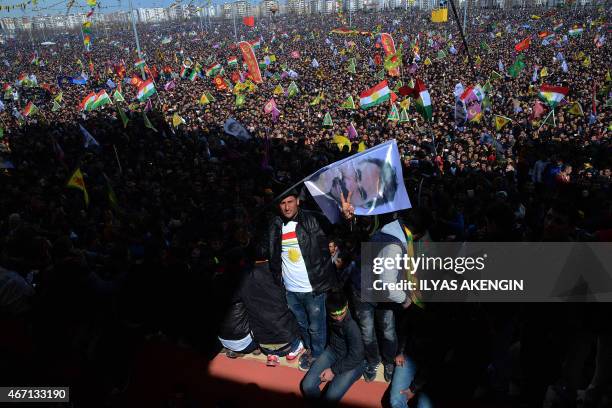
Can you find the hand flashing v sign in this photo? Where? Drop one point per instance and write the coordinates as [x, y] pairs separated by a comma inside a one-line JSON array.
[[348, 211]]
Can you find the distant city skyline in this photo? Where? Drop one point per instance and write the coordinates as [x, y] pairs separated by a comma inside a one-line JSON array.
[[107, 6]]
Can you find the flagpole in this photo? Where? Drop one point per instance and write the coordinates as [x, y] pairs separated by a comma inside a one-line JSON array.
[[467, 49], [234, 18], [117, 157], [142, 71]]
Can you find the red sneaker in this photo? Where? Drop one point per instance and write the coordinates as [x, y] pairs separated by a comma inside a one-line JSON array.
[[273, 361], [293, 354]]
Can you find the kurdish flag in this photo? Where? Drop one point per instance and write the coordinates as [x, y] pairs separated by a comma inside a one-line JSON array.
[[255, 44], [423, 101], [146, 90], [88, 102], [576, 30], [214, 69], [552, 95], [102, 99], [232, 61], [375, 96], [30, 109], [194, 73], [139, 63]]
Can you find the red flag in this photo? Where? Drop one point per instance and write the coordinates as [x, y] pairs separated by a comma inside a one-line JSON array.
[[136, 81], [235, 76], [249, 21], [248, 55], [295, 54], [378, 59], [220, 83], [523, 45]]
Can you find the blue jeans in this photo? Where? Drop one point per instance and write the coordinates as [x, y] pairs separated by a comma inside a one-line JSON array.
[[402, 378], [309, 311], [337, 387], [373, 319]]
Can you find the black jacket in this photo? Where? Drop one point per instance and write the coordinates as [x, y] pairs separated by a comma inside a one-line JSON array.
[[269, 316], [235, 325], [346, 343], [314, 248]]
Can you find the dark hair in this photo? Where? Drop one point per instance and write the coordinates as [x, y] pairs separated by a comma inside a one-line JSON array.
[[293, 192], [335, 301], [388, 178]]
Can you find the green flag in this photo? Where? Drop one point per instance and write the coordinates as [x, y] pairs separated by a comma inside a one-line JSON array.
[[393, 114], [327, 120], [112, 197], [292, 90], [147, 122], [398, 85], [441, 54], [122, 115], [118, 97], [209, 97], [240, 100], [56, 106], [403, 116], [276, 77], [1, 133], [349, 103], [380, 75], [516, 68], [484, 46], [495, 75], [351, 66]]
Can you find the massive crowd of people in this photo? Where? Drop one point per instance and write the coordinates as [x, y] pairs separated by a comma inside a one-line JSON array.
[[172, 209]]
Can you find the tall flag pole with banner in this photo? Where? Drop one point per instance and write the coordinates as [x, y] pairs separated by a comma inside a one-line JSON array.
[[372, 180], [389, 47], [249, 58]]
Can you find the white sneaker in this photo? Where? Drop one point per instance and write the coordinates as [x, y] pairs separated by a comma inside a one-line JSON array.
[[293, 354]]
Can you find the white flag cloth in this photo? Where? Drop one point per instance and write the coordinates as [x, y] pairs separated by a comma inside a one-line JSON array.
[[88, 139], [374, 177]]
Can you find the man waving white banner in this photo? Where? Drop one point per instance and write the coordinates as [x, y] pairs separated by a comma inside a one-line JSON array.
[[373, 177]]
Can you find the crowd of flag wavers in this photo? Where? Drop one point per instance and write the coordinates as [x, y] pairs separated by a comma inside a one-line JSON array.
[[136, 180]]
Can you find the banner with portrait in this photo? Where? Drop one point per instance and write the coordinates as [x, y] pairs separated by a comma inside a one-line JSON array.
[[373, 177], [248, 55], [389, 46]]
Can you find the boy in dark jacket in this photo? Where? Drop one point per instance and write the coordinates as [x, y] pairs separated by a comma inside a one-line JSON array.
[[342, 361]]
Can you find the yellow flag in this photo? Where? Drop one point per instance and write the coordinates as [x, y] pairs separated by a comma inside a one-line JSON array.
[[177, 120], [580, 55], [405, 104], [361, 147], [342, 141], [77, 181], [587, 62], [478, 60], [278, 90], [272, 58], [439, 15], [203, 100], [544, 72], [608, 77], [575, 109], [500, 122], [465, 60], [427, 61], [498, 35]]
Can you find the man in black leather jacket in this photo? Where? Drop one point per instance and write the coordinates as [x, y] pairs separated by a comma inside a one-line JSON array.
[[300, 259]]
